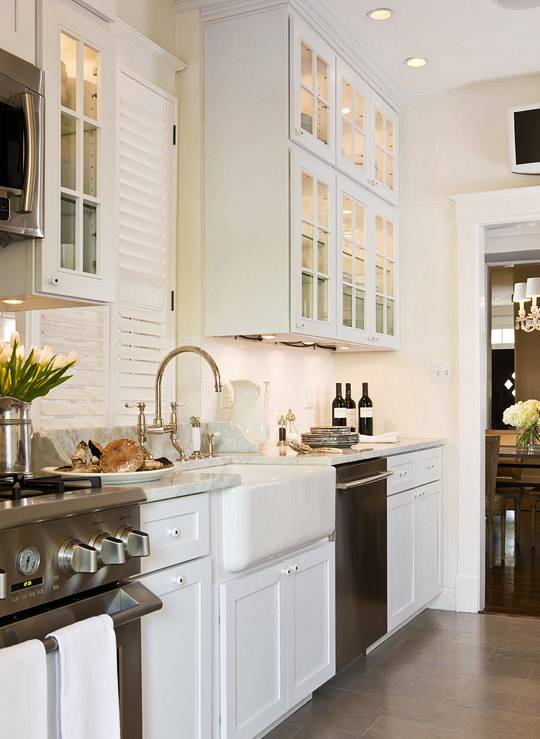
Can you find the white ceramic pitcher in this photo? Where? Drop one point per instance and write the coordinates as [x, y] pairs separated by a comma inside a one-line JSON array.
[[250, 409]]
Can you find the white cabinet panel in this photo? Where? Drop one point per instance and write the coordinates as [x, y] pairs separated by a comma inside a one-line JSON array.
[[385, 299], [354, 150], [176, 654], [401, 590], [312, 95], [18, 28], [312, 659], [385, 153], [253, 652], [427, 542]]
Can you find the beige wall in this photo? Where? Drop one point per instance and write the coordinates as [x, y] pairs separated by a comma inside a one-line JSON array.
[[450, 143], [154, 18]]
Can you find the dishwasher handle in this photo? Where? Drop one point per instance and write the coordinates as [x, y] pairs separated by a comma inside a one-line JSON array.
[[363, 481]]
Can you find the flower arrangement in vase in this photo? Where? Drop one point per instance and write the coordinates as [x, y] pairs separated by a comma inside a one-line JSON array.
[[524, 416]]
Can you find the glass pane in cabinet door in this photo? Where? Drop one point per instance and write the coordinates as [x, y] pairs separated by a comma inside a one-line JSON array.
[[322, 252], [360, 269], [306, 66], [379, 315], [346, 99], [68, 71], [347, 217], [347, 262], [322, 78], [390, 137], [322, 299], [379, 164], [322, 204], [68, 152], [360, 310], [90, 216], [379, 234], [360, 225], [390, 320], [359, 149], [389, 173], [91, 80], [307, 110], [347, 140], [390, 278], [359, 110], [379, 275], [379, 129], [347, 306], [322, 122], [389, 239], [307, 295], [68, 229], [307, 245], [307, 196], [90, 160]]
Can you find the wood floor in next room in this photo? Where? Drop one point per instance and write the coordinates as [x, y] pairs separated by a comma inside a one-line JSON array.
[[445, 675]]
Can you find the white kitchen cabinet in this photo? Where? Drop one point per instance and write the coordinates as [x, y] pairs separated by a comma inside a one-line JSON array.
[[386, 294], [354, 149], [401, 546], [313, 289], [312, 91], [176, 654], [77, 258], [277, 639], [427, 542], [18, 28], [384, 128]]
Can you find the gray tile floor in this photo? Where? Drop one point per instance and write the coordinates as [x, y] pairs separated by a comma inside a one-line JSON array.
[[445, 675]]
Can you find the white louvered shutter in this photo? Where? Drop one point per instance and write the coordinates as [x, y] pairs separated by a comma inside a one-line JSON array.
[[143, 326]]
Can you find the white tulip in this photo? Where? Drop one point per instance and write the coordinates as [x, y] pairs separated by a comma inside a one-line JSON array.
[[5, 355], [72, 358], [20, 352], [45, 355], [15, 338]]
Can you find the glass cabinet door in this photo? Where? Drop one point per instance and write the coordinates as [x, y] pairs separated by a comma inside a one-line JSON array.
[[386, 277], [353, 148], [384, 123], [313, 70], [313, 253]]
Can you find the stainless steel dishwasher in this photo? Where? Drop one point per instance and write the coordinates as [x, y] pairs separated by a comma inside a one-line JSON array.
[[361, 601]]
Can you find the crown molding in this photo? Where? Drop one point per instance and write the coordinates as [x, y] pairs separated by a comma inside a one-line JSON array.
[[126, 31], [323, 21]]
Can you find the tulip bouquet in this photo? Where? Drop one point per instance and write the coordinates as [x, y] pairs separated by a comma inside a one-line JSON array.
[[524, 416], [27, 376]]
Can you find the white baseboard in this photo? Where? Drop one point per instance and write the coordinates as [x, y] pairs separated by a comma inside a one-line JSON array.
[[467, 593], [445, 601]]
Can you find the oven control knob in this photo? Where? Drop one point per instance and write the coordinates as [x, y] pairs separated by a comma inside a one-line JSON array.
[[111, 551], [137, 543], [76, 557]]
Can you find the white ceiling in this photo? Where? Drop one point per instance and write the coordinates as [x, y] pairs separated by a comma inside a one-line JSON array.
[[465, 41]]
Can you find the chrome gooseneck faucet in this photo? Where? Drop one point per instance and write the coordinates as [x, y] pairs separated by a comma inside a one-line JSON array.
[[171, 428]]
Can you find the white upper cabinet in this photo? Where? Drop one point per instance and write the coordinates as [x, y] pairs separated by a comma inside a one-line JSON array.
[[313, 284], [353, 131], [78, 253], [386, 296], [385, 141], [18, 28], [312, 94]]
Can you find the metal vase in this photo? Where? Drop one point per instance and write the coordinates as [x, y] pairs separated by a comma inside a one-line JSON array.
[[15, 436]]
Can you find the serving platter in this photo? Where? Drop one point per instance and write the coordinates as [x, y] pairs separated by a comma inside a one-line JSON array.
[[113, 478]]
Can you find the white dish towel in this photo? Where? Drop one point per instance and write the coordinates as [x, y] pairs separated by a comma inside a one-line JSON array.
[[87, 681], [391, 437], [23, 691]]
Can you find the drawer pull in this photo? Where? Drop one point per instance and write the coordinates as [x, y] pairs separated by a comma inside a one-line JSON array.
[[178, 580], [175, 533]]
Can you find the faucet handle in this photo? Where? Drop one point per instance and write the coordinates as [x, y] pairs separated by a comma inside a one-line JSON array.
[[140, 405], [141, 419]]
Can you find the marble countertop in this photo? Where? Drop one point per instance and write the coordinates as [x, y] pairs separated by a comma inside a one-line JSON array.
[[195, 476]]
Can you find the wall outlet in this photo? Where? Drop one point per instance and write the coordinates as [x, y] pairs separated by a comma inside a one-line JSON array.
[[441, 372]]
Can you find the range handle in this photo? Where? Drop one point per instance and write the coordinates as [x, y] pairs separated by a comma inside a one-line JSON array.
[[363, 481]]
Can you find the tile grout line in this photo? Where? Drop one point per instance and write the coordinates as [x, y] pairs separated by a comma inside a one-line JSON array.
[[372, 724]]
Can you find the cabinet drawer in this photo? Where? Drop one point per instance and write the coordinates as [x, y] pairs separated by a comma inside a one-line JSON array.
[[428, 468], [402, 478], [178, 530]]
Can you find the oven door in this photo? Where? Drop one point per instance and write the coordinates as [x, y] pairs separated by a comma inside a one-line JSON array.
[[21, 162], [126, 605]]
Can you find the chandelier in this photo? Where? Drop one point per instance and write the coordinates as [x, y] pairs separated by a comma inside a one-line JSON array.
[[523, 293]]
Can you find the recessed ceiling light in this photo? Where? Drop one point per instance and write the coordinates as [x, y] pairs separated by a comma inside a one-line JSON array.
[[380, 14], [13, 301], [415, 62]]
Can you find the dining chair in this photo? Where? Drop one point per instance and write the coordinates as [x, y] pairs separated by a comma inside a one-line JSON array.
[[495, 504], [505, 490]]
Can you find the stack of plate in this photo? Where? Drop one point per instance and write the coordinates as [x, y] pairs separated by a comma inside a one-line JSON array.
[[340, 437]]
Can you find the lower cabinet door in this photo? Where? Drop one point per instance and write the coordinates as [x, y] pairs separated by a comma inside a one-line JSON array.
[[312, 632], [176, 654], [253, 628], [401, 551], [427, 543]]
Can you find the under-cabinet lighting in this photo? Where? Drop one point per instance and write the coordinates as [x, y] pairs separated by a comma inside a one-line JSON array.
[[380, 14], [415, 62], [347, 212], [13, 301], [343, 348], [268, 337], [345, 111]]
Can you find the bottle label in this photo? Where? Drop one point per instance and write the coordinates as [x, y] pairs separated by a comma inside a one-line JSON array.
[[351, 417], [366, 412], [340, 413]]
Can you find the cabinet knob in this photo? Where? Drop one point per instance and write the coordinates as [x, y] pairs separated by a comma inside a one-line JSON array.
[[54, 280], [174, 533], [287, 571], [178, 580], [295, 568]]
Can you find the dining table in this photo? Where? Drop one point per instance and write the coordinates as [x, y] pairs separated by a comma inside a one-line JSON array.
[[514, 486]]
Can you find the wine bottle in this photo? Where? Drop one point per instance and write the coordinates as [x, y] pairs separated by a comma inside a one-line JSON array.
[[351, 407], [365, 412], [339, 410]]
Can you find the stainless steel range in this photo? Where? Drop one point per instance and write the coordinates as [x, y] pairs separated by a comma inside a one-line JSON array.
[[67, 552]]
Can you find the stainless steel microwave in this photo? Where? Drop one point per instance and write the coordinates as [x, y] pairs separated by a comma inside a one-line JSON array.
[[21, 149]]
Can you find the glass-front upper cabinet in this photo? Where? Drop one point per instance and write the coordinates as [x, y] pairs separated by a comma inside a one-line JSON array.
[[79, 247], [385, 162], [353, 133], [312, 91], [313, 283], [386, 275]]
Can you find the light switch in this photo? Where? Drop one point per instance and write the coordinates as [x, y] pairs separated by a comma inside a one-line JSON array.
[[441, 372]]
